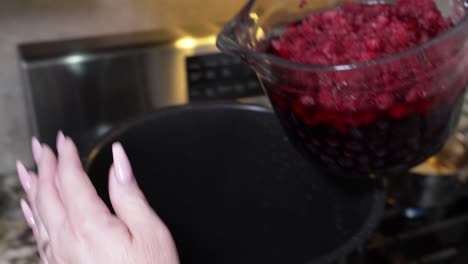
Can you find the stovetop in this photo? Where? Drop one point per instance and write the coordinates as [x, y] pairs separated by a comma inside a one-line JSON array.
[[406, 235], [413, 235]]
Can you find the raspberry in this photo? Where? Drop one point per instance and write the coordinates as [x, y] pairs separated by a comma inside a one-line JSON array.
[[281, 49], [307, 101], [326, 97], [363, 118], [313, 20], [352, 8], [367, 56], [382, 20], [418, 93], [401, 37], [374, 44], [399, 110], [304, 105], [371, 118], [330, 15], [315, 57], [384, 101], [344, 35]]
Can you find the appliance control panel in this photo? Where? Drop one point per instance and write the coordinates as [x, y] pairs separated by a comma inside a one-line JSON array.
[[218, 76]]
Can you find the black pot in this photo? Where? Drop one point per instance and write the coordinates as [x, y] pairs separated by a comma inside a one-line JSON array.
[[232, 189]]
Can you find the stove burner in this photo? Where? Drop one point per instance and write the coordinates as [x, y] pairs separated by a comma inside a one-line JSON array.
[[406, 235]]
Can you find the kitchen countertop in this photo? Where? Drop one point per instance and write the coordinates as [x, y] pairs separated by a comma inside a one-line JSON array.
[[17, 245]]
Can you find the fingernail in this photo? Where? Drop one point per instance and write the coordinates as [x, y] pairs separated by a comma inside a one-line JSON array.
[[28, 215], [45, 260], [42, 231], [123, 169], [24, 176], [36, 149], [112, 169], [60, 141]]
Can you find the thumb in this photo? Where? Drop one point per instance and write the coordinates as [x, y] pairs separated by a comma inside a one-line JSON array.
[[128, 201]]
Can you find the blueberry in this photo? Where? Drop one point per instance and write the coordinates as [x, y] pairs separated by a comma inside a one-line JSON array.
[[376, 139], [363, 160], [380, 153], [413, 143], [327, 160], [355, 133], [353, 145], [315, 142], [332, 142], [301, 134], [408, 159], [383, 124], [333, 152], [376, 146], [402, 131], [332, 132], [379, 163], [400, 155], [346, 163], [312, 148], [348, 153]]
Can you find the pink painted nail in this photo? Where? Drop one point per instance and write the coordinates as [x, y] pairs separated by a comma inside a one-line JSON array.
[[28, 215], [123, 169], [60, 141], [36, 149], [24, 176], [112, 169]]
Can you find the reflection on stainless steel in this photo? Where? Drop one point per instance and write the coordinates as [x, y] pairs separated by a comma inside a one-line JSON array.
[[88, 86], [438, 182], [451, 160]]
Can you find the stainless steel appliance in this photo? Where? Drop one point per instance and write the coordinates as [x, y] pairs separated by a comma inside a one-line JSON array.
[[88, 86]]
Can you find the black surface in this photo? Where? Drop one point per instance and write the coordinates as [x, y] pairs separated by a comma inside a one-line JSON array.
[[220, 76], [232, 189]]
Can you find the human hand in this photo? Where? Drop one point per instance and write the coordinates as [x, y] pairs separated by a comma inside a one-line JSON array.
[[72, 224]]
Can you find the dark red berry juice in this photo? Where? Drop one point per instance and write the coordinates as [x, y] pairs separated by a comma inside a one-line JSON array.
[[379, 117]]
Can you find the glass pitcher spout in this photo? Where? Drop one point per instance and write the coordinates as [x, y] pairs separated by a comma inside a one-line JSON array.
[[234, 38], [260, 20]]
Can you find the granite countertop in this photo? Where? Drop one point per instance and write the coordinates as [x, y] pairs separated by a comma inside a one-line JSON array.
[[17, 244]]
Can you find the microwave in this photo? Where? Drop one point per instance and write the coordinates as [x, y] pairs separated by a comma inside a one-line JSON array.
[[88, 86]]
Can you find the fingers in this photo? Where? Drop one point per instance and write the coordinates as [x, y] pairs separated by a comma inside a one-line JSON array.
[[127, 199], [30, 219], [36, 149], [63, 203], [28, 214], [29, 183], [48, 203], [82, 204]]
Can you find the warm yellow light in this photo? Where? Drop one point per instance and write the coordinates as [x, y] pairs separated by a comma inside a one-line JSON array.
[[186, 43], [190, 43], [254, 17], [260, 34]]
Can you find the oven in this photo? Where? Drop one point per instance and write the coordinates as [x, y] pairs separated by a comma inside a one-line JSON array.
[[86, 87]]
